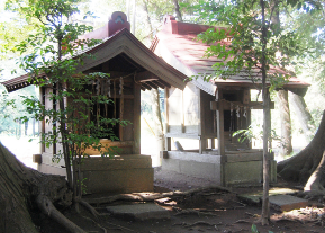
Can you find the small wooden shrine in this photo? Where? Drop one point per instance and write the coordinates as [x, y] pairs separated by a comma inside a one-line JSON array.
[[132, 67], [210, 112]]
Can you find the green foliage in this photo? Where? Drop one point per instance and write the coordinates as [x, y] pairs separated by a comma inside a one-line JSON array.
[[10, 109], [254, 132], [254, 229], [57, 51], [252, 42]]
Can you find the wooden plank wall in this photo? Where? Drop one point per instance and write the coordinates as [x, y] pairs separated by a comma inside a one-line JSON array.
[[175, 111], [191, 108]]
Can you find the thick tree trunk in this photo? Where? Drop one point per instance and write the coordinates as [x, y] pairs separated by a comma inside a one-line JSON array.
[[23, 189], [145, 8], [286, 147], [177, 10], [305, 119], [265, 216], [300, 167], [14, 209], [316, 181]]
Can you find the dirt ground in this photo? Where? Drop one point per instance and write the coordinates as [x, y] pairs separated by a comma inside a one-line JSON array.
[[202, 208]]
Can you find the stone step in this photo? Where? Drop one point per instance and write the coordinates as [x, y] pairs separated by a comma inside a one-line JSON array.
[[139, 212], [285, 203]]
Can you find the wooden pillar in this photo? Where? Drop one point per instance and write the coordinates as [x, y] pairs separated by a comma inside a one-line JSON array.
[[41, 124], [137, 119], [247, 101], [248, 123], [202, 133], [220, 123], [166, 106], [54, 107], [182, 112], [121, 128], [212, 143]]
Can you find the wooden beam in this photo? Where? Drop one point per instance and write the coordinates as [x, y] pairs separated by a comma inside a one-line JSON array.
[[145, 76], [159, 84], [164, 83], [145, 86], [151, 85], [112, 74], [214, 105]]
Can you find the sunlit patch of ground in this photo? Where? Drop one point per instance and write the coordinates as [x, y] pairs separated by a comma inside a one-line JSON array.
[[303, 214]]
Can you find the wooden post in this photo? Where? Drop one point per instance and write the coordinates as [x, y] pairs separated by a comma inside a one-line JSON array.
[[212, 143], [220, 123], [202, 133], [137, 119], [168, 144], [248, 119], [166, 106], [182, 112], [54, 107], [41, 126], [121, 128], [248, 123], [221, 136]]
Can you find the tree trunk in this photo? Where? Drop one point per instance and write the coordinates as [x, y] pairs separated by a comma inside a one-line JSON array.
[[305, 119], [286, 147], [158, 126], [177, 10], [316, 181], [24, 190], [300, 167], [265, 216], [145, 8]]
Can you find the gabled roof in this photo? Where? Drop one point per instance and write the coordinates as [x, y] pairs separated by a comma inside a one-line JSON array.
[[126, 43], [178, 47], [123, 47]]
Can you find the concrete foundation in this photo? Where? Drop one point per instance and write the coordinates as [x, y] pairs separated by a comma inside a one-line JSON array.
[[126, 174], [234, 168]]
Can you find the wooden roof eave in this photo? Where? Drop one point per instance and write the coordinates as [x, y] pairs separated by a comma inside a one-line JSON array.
[[20, 82], [122, 42], [297, 88], [125, 42]]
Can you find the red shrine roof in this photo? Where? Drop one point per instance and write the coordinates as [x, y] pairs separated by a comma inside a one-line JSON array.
[[179, 48]]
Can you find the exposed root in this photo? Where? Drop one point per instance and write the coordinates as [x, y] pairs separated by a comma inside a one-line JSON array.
[[96, 223], [120, 227], [90, 208], [194, 224], [47, 207], [243, 221], [250, 214], [194, 212], [241, 230], [289, 220], [263, 221]]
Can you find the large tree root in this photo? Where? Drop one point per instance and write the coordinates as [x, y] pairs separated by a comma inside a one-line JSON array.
[[316, 182], [300, 167], [47, 207], [24, 190]]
